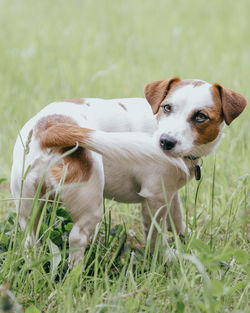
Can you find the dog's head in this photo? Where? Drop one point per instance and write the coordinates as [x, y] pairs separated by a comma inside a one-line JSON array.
[[191, 114]]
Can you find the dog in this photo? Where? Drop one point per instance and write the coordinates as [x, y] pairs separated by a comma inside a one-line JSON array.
[[132, 150]]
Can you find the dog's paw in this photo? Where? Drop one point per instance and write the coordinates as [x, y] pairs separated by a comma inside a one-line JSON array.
[[185, 235]]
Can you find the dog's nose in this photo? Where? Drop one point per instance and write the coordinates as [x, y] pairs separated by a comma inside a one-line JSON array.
[[167, 142]]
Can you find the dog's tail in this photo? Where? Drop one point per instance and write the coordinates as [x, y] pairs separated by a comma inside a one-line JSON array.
[[121, 146]]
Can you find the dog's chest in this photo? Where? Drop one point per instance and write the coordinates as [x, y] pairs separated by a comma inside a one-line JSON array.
[[121, 183], [131, 183]]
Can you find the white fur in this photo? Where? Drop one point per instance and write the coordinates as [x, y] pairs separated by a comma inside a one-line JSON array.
[[132, 168]]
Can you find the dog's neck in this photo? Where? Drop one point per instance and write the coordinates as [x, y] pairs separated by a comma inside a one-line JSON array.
[[191, 157], [192, 161]]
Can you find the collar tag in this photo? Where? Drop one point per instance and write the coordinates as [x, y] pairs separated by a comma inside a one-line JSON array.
[[197, 172]]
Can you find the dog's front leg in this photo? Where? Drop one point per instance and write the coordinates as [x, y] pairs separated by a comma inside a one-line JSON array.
[[153, 212], [176, 215], [158, 210]]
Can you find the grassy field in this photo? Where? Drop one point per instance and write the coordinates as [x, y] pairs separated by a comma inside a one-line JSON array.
[[59, 49]]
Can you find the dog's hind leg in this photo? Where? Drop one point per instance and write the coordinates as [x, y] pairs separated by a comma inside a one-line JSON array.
[[82, 194], [84, 226], [24, 202]]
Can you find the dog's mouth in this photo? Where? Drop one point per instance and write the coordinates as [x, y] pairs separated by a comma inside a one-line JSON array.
[[176, 153], [173, 154]]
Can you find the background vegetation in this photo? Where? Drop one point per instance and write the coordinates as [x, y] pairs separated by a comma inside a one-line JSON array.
[[58, 49]]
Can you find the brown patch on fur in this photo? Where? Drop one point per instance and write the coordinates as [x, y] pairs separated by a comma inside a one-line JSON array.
[[76, 167], [232, 102], [59, 135], [157, 91], [123, 106], [59, 131], [198, 83], [209, 130], [73, 100], [46, 121], [185, 82], [87, 104]]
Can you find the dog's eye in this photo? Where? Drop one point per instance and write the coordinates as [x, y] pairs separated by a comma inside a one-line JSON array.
[[167, 108], [200, 117]]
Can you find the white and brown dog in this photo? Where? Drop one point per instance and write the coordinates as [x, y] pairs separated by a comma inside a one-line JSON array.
[[128, 149]]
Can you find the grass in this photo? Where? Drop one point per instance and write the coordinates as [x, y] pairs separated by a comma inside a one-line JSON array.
[[60, 49]]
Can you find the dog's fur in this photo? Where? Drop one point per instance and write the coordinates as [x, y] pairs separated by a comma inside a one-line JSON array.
[[128, 150]]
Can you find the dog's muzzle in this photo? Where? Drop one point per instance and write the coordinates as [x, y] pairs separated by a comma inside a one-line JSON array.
[[167, 142]]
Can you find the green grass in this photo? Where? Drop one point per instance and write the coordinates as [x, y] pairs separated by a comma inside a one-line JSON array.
[[58, 49]]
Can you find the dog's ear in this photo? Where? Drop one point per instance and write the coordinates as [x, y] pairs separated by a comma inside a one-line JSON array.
[[156, 91], [232, 103]]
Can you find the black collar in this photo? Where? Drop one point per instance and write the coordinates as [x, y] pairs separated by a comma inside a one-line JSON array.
[[191, 157]]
